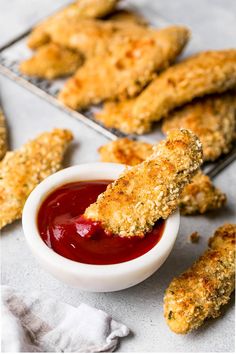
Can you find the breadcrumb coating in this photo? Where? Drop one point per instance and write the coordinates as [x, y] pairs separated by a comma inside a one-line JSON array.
[[23, 169], [96, 8], [128, 16], [201, 196], [71, 13], [51, 61], [125, 151], [93, 37], [212, 119], [198, 197], [200, 291], [132, 204], [205, 73], [130, 64], [3, 135]]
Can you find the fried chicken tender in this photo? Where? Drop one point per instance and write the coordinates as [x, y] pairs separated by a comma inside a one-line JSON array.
[[23, 169], [204, 73], [132, 204], [198, 197], [71, 13], [71, 42], [52, 61], [212, 119], [3, 135], [200, 292], [93, 37], [129, 66]]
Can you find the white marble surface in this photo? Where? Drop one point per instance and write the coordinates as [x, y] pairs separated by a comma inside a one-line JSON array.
[[139, 307]]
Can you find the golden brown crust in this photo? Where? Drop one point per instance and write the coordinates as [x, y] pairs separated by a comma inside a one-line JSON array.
[[224, 237], [23, 169], [200, 292], [95, 8], [125, 151], [205, 73], [128, 16], [201, 196], [92, 37], [198, 197], [72, 13], [129, 65], [132, 204], [51, 61], [3, 135], [40, 34], [212, 119], [89, 36]]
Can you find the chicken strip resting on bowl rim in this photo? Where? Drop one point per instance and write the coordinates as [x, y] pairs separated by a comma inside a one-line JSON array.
[[198, 197], [132, 204]]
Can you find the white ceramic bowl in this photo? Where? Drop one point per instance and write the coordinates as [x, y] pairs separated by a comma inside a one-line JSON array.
[[88, 277]]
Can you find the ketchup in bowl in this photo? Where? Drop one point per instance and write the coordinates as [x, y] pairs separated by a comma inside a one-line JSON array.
[[68, 233]]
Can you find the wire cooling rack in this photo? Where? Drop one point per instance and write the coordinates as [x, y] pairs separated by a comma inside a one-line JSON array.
[[13, 52]]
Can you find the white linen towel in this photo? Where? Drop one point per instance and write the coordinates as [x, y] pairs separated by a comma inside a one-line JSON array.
[[39, 324]]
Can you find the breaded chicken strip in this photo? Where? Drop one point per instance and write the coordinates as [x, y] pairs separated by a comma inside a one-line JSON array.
[[51, 61], [128, 67], [23, 169], [204, 73], [212, 119], [127, 16], [198, 197], [72, 41], [93, 37], [73, 12], [3, 135], [132, 204], [200, 292]]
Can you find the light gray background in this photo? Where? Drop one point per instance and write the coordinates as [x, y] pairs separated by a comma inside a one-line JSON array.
[[214, 25]]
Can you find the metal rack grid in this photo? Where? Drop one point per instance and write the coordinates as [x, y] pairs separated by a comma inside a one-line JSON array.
[[45, 90]]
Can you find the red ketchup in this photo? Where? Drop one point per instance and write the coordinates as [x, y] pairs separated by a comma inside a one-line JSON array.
[[68, 233]]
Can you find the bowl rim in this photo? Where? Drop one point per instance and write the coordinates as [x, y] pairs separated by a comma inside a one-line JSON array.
[[72, 174]]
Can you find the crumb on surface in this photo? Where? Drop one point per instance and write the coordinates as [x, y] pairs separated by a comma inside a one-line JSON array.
[[194, 237]]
